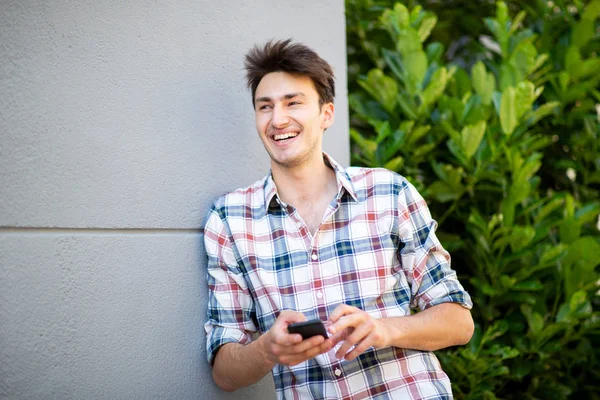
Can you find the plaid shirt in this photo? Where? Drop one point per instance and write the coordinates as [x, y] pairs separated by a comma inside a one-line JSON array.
[[376, 250]]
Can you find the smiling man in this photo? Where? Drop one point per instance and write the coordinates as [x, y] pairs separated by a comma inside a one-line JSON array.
[[355, 248]]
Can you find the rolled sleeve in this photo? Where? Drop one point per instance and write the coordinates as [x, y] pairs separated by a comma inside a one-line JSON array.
[[230, 304], [425, 263]]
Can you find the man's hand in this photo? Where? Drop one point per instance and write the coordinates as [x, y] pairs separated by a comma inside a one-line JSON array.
[[356, 328], [280, 347], [440, 326]]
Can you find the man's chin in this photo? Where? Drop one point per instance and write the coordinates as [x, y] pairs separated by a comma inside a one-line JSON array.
[[287, 161]]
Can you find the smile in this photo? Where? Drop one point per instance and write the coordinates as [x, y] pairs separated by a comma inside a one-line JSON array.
[[285, 136]]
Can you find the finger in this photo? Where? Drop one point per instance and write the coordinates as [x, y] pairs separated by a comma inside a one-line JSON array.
[[282, 338], [307, 344], [287, 317], [316, 350], [359, 333], [338, 337], [351, 320], [293, 359], [360, 348], [342, 310]]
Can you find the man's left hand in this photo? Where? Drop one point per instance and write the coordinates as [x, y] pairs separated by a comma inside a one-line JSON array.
[[356, 328]]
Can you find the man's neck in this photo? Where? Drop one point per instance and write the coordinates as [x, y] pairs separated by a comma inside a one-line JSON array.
[[304, 183]]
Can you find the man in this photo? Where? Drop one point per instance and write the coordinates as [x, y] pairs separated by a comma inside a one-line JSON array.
[[352, 247]]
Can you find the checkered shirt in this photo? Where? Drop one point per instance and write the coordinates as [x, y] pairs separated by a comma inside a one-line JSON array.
[[376, 250]]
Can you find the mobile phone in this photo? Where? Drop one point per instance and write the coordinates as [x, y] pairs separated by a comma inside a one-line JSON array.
[[308, 329]]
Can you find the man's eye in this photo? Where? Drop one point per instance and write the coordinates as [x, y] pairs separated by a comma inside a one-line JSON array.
[[294, 103], [264, 107]]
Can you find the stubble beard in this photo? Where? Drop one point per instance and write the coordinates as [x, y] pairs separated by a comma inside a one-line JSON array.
[[299, 160]]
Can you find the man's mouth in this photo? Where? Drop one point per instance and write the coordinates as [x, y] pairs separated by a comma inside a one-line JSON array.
[[282, 137]]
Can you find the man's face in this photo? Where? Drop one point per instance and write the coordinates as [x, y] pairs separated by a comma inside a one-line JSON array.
[[289, 120]]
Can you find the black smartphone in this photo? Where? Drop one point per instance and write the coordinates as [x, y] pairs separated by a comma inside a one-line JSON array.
[[308, 329]]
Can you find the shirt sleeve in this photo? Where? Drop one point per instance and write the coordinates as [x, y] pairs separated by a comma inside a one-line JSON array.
[[425, 263], [230, 304]]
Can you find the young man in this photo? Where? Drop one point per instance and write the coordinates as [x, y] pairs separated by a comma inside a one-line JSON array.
[[352, 247]]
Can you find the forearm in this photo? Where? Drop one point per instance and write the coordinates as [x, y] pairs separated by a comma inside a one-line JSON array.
[[237, 365], [444, 325]]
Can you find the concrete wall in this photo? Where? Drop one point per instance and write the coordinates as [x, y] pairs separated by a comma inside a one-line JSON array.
[[120, 122]]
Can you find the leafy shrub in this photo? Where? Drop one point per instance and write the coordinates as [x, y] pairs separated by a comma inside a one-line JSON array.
[[504, 145]]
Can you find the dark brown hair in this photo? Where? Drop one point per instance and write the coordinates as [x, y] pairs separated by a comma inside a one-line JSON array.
[[293, 58]]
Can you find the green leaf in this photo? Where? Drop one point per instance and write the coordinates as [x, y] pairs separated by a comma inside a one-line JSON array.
[[471, 137], [442, 192], [534, 320], [551, 206], [542, 111], [582, 32], [383, 88], [552, 254], [507, 207], [517, 21], [408, 42], [507, 76], [572, 59], [415, 65], [484, 83], [434, 52], [435, 88], [383, 130], [407, 106], [578, 299], [497, 100], [426, 26], [460, 83], [528, 169], [503, 352], [592, 10], [588, 213], [395, 19], [584, 251], [508, 113], [585, 68], [520, 237], [395, 164], [417, 134], [524, 97], [478, 76], [528, 286], [367, 147], [366, 109], [394, 61]]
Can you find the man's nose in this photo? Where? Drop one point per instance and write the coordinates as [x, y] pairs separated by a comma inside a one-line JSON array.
[[280, 117]]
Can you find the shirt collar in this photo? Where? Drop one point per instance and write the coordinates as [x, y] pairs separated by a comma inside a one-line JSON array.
[[343, 181]]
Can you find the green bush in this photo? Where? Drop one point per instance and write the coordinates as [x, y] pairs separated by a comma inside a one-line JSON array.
[[504, 145]]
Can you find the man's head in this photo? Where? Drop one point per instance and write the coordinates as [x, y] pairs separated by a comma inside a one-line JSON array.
[[292, 92], [293, 58]]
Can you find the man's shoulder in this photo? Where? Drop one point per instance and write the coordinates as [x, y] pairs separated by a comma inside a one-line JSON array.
[[365, 180], [250, 196]]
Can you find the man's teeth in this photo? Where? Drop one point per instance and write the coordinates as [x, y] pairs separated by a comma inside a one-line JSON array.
[[285, 136]]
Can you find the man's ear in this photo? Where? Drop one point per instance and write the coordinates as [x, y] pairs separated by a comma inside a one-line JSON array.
[[328, 111]]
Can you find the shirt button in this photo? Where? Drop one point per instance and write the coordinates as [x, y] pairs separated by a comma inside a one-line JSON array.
[[338, 372], [314, 256], [319, 294]]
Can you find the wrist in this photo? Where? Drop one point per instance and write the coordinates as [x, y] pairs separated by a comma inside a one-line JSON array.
[[390, 332], [265, 355]]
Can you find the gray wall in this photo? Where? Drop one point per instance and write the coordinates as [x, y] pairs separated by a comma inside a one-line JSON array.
[[120, 122]]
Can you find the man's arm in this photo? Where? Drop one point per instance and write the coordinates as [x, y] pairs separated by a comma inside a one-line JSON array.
[[440, 326], [236, 365]]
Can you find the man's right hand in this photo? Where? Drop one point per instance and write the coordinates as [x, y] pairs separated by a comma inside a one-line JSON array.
[[281, 347]]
